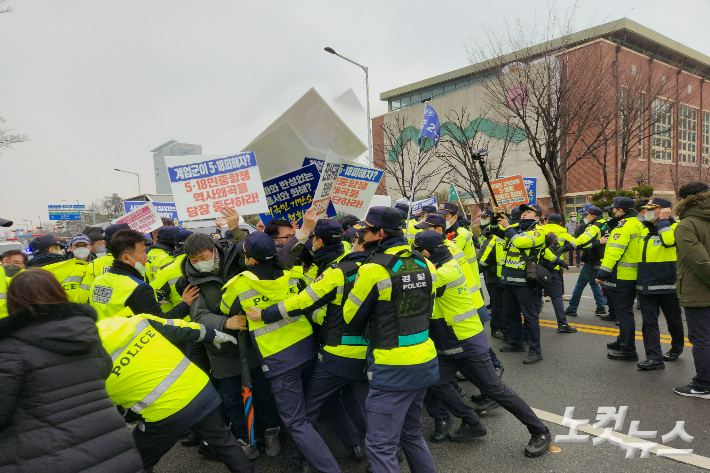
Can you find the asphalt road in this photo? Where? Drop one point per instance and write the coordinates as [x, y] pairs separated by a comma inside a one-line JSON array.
[[575, 372]]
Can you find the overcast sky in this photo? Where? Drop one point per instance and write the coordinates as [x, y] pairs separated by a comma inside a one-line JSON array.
[[97, 84]]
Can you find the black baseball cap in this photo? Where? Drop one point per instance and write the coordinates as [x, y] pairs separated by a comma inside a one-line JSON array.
[[353, 233], [533, 207], [428, 239], [448, 208], [428, 209], [327, 228], [260, 246], [43, 242], [657, 204], [402, 206], [436, 220], [112, 229], [554, 218], [386, 218], [487, 213], [180, 237], [623, 203], [608, 208], [5, 223], [594, 210]]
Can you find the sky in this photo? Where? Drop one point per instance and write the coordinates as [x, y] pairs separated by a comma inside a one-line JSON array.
[[97, 85]]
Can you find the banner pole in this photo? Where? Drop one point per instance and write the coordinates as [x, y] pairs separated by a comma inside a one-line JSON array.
[[414, 181], [460, 202], [488, 183]]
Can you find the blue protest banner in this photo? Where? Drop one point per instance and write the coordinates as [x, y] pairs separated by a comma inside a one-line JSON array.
[[318, 162], [164, 209], [417, 206], [289, 196], [430, 126], [531, 189]]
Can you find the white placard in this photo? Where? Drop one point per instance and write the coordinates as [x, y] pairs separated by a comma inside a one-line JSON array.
[[205, 185], [143, 219]]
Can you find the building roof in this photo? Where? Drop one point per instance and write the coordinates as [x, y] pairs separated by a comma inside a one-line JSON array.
[[625, 32], [163, 146]]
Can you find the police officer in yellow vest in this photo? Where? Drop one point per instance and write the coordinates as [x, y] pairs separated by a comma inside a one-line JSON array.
[[490, 262], [393, 297], [162, 389], [557, 236], [461, 345], [170, 273], [618, 274], [101, 264], [286, 348], [656, 284], [341, 358], [524, 242], [461, 236], [411, 230], [71, 273], [161, 251], [123, 291]]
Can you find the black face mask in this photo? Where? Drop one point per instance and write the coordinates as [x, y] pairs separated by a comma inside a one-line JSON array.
[[371, 245], [12, 270], [526, 223]]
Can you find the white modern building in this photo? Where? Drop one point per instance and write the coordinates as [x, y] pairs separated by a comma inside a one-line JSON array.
[[169, 148]]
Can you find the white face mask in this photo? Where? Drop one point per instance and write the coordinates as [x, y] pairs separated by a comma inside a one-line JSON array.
[[139, 267], [449, 223], [485, 222], [81, 253], [650, 216], [205, 266], [585, 220], [100, 250], [573, 219]]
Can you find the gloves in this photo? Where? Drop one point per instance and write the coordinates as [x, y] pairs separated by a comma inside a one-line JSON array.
[[221, 337], [563, 249], [561, 262]]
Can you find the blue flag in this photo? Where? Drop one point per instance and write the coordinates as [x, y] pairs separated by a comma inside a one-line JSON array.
[[430, 126]]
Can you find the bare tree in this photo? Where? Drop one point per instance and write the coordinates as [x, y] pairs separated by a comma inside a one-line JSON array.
[[7, 140], [399, 148], [111, 206], [5, 9], [461, 138]]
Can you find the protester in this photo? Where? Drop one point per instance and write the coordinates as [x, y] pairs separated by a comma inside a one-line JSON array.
[[98, 243], [692, 237], [80, 248], [13, 261], [54, 404]]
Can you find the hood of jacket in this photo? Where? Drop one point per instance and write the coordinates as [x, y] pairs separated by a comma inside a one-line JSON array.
[[66, 329], [230, 263], [697, 206]]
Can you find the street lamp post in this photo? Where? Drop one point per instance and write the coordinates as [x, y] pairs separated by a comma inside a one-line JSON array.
[[367, 92], [136, 174]]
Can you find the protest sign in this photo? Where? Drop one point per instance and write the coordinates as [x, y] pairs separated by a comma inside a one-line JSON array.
[[205, 185], [417, 206], [164, 209], [531, 189], [290, 195], [509, 190], [142, 219], [318, 162], [354, 189], [328, 175]]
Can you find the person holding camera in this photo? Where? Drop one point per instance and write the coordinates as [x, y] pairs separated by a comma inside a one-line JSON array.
[[525, 244]]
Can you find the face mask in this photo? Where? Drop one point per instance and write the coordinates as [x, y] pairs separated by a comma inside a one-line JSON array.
[[12, 270], [448, 224], [585, 220], [573, 219], [139, 267], [650, 216], [205, 266], [485, 222], [100, 250], [81, 253], [527, 223]]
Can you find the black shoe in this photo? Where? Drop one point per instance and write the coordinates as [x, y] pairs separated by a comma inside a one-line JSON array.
[[614, 345], [608, 318], [566, 329], [532, 358], [693, 391], [460, 377], [623, 355], [650, 365], [570, 313], [497, 334], [357, 452], [670, 355], [511, 348], [461, 392], [207, 452], [441, 430], [468, 432], [499, 371], [601, 310], [190, 440], [482, 404], [538, 444]]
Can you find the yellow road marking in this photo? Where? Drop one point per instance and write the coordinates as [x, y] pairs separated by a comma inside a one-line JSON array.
[[604, 330]]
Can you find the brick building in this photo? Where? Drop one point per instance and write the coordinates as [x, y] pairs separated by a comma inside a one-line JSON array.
[[666, 139]]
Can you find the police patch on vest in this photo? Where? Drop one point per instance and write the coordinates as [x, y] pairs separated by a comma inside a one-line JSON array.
[[102, 294], [537, 234], [413, 281], [616, 236]]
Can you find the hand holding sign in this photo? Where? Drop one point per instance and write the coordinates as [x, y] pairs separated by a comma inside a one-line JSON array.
[[231, 217], [309, 221]]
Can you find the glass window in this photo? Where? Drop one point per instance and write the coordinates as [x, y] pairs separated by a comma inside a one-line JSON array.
[[405, 102], [438, 91], [687, 135], [395, 104], [706, 139], [582, 199], [569, 201], [662, 140], [426, 96], [449, 88], [416, 98]]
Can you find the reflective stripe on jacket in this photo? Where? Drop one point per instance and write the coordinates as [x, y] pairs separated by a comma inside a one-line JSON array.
[[657, 272], [70, 274]]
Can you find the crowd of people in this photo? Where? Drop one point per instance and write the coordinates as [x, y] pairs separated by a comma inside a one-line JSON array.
[[228, 341]]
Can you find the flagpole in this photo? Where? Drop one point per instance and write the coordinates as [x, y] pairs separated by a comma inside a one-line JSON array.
[[414, 181], [460, 201]]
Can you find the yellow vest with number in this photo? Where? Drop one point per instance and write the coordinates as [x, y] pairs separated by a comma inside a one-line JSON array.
[[150, 376], [109, 293]]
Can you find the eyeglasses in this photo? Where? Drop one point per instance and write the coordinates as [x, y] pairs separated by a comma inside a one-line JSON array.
[[287, 237]]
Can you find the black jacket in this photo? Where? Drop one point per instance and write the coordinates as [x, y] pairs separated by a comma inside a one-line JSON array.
[[55, 414], [142, 300], [45, 259]]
